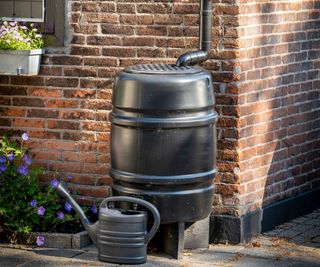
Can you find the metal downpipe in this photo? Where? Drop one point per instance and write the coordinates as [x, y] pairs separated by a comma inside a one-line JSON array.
[[195, 57]]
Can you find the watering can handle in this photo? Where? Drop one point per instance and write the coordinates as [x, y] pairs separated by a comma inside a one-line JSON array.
[[152, 208]]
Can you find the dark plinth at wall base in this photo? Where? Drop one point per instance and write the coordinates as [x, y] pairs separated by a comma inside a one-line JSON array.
[[235, 230], [240, 230], [289, 209]]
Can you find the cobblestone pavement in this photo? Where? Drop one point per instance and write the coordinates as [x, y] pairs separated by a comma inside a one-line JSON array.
[[304, 230], [296, 243]]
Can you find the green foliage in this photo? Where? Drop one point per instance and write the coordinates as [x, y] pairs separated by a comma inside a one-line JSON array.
[[14, 36], [21, 196]]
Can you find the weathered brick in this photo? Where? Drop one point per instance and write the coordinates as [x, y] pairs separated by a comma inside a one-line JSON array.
[[13, 90], [119, 52], [55, 124], [152, 30], [96, 104], [32, 123], [138, 41], [154, 8], [42, 113], [85, 51], [108, 7], [80, 71], [62, 82], [76, 115], [100, 61], [66, 60], [126, 8], [30, 102], [111, 18]]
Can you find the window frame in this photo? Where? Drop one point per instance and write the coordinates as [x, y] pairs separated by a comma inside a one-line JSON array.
[[40, 20], [53, 23]]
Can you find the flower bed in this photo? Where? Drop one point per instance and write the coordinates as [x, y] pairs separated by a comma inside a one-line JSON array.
[[26, 208]]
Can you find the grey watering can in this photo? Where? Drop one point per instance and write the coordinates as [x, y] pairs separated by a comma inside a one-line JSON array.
[[120, 235]]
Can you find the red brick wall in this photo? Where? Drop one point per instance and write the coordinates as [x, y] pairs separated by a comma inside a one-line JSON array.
[[65, 109], [265, 80], [279, 101]]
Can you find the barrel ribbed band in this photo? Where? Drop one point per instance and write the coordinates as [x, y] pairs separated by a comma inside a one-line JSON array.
[[166, 180], [178, 122]]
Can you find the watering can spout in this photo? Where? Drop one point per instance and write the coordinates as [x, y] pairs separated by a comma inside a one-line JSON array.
[[63, 192]]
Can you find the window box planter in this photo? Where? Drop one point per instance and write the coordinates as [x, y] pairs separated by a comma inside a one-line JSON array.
[[58, 240], [20, 62]]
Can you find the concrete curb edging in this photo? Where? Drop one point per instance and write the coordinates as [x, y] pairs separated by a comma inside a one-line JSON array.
[[58, 240]]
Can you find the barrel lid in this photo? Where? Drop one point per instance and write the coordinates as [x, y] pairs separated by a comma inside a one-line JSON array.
[[163, 69]]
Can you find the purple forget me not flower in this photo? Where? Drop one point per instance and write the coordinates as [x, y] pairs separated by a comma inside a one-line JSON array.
[[3, 159], [40, 240], [23, 170], [67, 206], [41, 210], [54, 183], [25, 137], [26, 159], [33, 203], [11, 157], [60, 215], [3, 168], [94, 209]]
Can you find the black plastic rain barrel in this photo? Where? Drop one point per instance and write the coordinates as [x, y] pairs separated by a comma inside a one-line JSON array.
[[163, 139]]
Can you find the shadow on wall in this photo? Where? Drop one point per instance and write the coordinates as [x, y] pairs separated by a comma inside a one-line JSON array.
[[291, 116]]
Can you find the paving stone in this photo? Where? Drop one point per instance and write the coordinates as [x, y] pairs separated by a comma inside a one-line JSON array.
[[312, 233], [313, 215], [13, 257], [205, 257], [261, 241], [274, 232], [314, 222], [67, 253], [299, 220], [286, 226], [57, 263], [254, 262], [88, 255], [316, 239], [263, 252], [226, 248], [301, 228], [289, 233], [298, 239], [311, 244]]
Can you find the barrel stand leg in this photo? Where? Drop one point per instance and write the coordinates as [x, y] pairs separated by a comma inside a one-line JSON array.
[[197, 234], [173, 239]]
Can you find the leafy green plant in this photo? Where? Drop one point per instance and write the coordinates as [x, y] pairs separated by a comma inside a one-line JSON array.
[[24, 206], [14, 36]]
